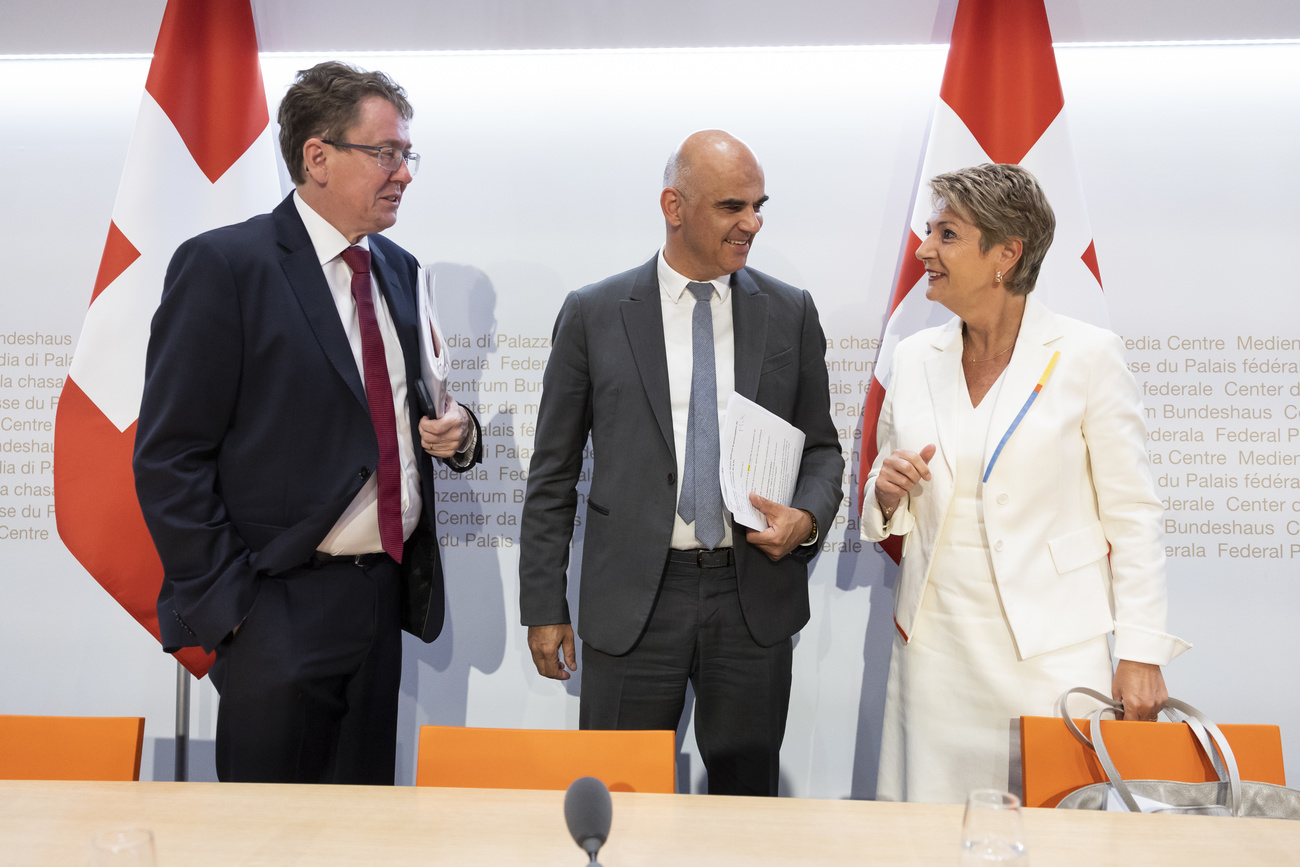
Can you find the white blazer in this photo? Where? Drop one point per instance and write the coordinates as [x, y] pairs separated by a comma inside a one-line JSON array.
[[1071, 484]]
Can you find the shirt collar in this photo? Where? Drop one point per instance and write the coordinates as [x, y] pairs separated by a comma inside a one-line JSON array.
[[328, 241], [672, 286]]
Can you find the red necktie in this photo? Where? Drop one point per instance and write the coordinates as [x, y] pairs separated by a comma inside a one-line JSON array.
[[379, 394]]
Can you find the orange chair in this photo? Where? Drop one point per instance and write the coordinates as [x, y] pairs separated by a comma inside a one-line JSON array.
[[625, 761], [1054, 763], [70, 747]]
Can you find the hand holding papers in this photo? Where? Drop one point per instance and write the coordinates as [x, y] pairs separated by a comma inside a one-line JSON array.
[[435, 360], [761, 453]]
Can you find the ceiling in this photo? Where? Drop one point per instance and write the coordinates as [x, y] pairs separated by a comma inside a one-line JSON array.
[[130, 26]]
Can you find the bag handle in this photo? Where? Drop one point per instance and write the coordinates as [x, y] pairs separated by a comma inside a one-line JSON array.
[[1108, 704], [1223, 747], [1204, 729], [1170, 712], [1204, 738]]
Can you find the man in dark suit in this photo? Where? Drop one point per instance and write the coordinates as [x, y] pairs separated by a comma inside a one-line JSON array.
[[278, 458], [644, 362]]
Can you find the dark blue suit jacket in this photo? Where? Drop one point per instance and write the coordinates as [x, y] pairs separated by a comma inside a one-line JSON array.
[[254, 431]]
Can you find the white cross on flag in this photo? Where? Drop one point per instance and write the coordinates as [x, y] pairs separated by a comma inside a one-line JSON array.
[[202, 155], [1000, 102]]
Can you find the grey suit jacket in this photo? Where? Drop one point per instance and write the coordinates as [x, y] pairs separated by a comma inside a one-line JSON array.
[[607, 377]]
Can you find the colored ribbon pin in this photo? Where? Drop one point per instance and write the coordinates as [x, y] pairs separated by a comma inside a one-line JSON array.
[[1042, 381]]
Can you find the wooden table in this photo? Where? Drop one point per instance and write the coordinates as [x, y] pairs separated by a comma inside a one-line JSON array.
[[198, 824]]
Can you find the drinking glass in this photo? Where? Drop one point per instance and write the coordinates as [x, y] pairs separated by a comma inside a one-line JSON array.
[[123, 847], [991, 831]]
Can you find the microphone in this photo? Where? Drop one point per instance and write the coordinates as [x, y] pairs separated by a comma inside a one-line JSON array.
[[588, 811]]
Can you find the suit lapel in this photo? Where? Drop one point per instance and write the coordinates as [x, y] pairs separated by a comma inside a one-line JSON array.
[[307, 280], [749, 324], [943, 374], [643, 321], [401, 305], [1038, 329]]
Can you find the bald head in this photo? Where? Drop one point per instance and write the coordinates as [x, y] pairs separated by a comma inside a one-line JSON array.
[[703, 149], [713, 192]]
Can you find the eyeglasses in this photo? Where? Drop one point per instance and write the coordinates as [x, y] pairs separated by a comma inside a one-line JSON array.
[[390, 158]]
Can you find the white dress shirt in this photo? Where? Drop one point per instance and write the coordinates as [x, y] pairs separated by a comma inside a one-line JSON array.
[[357, 529], [678, 305]]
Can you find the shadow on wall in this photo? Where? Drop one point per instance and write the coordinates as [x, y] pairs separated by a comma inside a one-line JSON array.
[[474, 631], [202, 760], [874, 572]]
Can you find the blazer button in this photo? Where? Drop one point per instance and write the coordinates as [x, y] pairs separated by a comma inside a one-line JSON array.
[[364, 474], [672, 478], [997, 546], [1003, 499]]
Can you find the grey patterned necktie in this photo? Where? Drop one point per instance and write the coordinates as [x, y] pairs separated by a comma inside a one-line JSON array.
[[701, 499]]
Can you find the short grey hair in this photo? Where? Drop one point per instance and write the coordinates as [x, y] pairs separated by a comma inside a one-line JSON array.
[[1003, 201], [677, 174]]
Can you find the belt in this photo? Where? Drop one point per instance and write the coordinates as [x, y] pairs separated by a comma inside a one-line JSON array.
[[365, 561], [715, 559]]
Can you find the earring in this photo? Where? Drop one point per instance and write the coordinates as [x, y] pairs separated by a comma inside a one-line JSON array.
[[998, 279]]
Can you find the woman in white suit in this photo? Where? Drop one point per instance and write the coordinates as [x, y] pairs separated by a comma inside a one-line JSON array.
[[1012, 459]]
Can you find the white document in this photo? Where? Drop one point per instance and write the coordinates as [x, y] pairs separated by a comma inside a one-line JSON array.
[[1115, 804], [761, 453], [434, 368]]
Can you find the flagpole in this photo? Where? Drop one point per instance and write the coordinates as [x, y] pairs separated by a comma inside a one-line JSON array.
[[182, 759]]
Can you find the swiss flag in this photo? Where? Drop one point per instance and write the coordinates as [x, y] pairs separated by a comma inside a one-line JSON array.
[[202, 156], [1000, 102]]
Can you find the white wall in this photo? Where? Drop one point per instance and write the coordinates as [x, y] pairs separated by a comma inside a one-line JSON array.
[[540, 174]]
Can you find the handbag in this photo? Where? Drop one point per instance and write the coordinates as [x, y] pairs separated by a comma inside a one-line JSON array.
[[1240, 798]]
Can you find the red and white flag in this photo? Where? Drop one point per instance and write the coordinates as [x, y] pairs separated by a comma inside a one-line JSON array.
[[202, 155], [1000, 102]]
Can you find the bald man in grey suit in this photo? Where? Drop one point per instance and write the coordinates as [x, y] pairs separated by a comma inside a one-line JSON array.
[[659, 607]]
